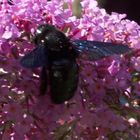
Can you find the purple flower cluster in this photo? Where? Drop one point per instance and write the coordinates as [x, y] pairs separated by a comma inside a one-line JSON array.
[[108, 93]]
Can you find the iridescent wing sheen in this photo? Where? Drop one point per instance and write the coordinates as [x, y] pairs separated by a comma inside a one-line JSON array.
[[35, 58], [94, 50]]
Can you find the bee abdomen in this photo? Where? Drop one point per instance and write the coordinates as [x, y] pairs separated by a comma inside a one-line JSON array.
[[63, 80]]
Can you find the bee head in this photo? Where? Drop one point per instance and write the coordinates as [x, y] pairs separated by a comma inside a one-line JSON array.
[[52, 38]]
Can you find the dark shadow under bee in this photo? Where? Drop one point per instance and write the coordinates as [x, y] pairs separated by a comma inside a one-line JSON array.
[[56, 54]]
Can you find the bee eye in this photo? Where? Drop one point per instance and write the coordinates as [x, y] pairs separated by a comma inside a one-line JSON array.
[[38, 31]]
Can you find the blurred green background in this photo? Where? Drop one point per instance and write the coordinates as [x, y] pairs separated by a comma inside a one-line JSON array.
[[129, 7]]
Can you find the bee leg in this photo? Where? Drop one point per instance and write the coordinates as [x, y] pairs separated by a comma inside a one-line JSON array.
[[43, 81]]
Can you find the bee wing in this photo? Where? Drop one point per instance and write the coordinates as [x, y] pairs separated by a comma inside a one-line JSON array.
[[94, 50], [43, 81], [35, 58]]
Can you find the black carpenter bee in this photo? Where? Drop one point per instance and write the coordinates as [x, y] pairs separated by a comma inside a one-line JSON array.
[[56, 54]]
